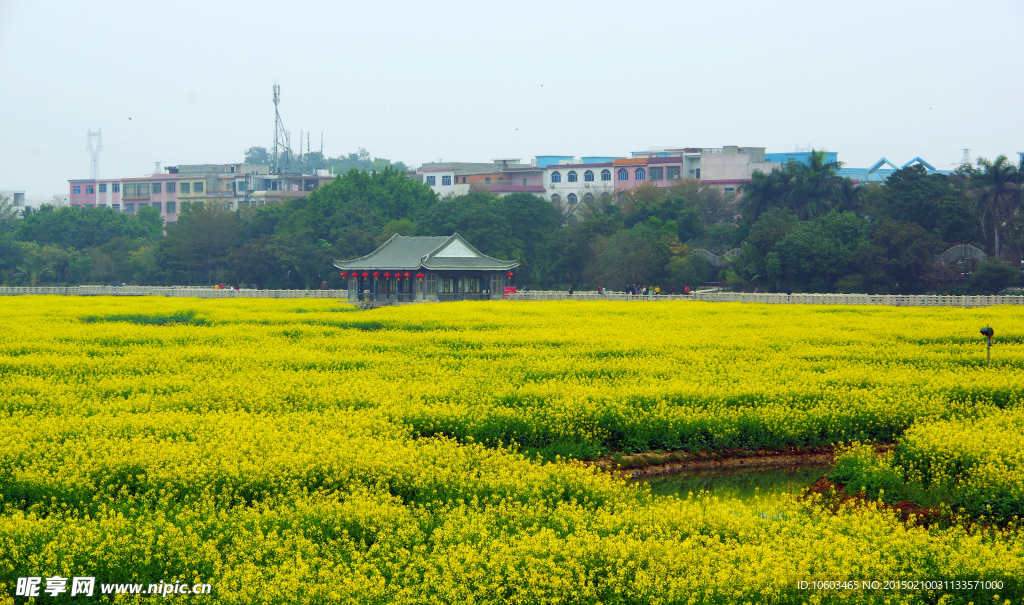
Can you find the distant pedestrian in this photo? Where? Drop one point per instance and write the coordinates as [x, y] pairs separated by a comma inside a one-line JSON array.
[[687, 290], [789, 292]]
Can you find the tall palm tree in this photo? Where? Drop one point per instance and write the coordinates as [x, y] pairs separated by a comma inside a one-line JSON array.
[[996, 191]]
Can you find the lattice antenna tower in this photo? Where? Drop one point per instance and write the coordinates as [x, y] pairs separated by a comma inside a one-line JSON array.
[[966, 160], [280, 137], [94, 146]]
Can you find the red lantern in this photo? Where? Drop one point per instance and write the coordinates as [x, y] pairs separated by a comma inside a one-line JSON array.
[[376, 274], [406, 275], [343, 274], [365, 274], [509, 274], [387, 275], [419, 275]]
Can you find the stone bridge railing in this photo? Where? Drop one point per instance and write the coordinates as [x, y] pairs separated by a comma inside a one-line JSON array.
[[171, 291], [897, 300]]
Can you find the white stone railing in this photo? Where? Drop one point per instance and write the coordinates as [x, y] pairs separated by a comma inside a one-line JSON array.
[[898, 300], [181, 291]]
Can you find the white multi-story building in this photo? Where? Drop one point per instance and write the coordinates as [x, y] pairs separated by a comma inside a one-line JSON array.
[[572, 182]]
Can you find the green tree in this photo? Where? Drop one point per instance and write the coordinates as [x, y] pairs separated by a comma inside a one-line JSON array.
[[638, 255], [8, 214], [818, 252], [997, 190], [809, 189], [257, 155], [992, 277], [83, 228], [196, 246], [933, 201], [898, 257], [34, 266], [256, 262]]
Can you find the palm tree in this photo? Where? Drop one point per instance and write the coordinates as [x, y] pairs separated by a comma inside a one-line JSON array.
[[810, 190], [996, 191]]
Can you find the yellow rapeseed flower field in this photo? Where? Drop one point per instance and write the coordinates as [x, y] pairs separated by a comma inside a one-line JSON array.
[[305, 452]]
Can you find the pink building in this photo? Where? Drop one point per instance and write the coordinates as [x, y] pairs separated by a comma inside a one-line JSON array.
[[100, 193], [658, 171], [163, 196]]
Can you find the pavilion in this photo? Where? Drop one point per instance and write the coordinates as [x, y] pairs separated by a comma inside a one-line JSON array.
[[413, 269]]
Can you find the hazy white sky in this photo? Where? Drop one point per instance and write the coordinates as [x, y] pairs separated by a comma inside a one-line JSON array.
[[190, 82]]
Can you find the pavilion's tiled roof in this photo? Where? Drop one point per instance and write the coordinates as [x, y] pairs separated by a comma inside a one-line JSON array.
[[412, 253]]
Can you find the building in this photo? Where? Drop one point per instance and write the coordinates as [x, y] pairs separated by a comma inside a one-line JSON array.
[[416, 269], [880, 171], [454, 178], [804, 157], [730, 167], [230, 186], [571, 183]]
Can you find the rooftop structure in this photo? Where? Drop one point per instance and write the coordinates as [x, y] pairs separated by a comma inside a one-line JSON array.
[[880, 171], [229, 185]]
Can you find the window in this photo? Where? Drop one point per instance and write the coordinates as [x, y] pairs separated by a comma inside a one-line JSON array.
[[156, 187], [730, 189], [184, 188], [116, 206], [101, 206], [170, 207], [501, 180], [640, 173], [116, 187], [239, 186], [673, 173], [228, 205], [463, 182], [556, 177], [623, 174], [572, 199], [657, 174], [143, 189], [129, 207], [556, 199], [572, 176], [524, 182], [588, 176], [90, 205], [76, 190], [185, 206], [77, 205], [103, 188], [606, 175], [446, 180], [698, 173], [197, 187], [431, 181], [588, 197], [90, 189], [156, 205], [142, 205], [487, 180], [129, 189]]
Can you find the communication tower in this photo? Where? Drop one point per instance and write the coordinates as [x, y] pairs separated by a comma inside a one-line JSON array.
[[94, 146]]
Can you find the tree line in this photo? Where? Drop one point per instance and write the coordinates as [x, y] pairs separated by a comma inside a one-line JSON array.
[[800, 227]]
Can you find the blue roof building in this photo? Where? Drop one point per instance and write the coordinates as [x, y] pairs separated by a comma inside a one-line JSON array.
[[880, 171], [799, 156]]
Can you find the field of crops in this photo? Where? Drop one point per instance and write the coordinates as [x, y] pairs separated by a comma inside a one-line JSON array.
[[304, 452]]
